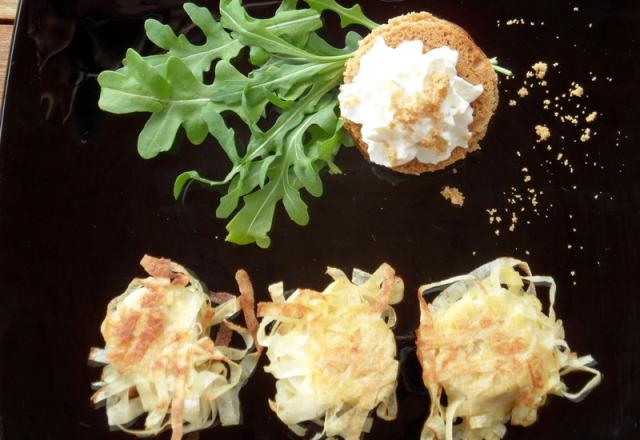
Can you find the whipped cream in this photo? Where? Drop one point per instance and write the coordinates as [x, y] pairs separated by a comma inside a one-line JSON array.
[[411, 105]]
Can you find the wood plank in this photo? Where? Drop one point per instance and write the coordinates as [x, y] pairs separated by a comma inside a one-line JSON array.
[[6, 31], [8, 9]]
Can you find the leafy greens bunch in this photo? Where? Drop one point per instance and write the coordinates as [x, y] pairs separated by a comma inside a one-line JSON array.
[[295, 72]]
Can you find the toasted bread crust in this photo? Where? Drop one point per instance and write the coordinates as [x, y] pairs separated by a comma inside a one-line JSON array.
[[473, 65]]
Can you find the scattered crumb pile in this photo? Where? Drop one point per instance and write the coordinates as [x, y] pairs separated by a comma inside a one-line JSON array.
[[563, 111], [567, 107], [519, 22], [563, 106]]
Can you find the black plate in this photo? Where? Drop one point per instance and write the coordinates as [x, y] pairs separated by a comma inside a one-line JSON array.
[[78, 208]]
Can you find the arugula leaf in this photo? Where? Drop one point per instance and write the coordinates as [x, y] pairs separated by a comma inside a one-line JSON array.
[[318, 45], [353, 15], [288, 175], [293, 25], [175, 100], [296, 75], [252, 32], [218, 45]]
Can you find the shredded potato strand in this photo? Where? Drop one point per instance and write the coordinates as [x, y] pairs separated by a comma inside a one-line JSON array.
[[333, 352], [159, 357], [486, 342]]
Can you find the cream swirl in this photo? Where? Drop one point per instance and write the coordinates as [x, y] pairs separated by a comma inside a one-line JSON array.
[[410, 104]]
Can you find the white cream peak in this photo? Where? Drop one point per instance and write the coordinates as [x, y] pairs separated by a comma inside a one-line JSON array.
[[386, 73]]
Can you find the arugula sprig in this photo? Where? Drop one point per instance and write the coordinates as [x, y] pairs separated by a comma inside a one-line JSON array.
[[296, 72], [353, 15]]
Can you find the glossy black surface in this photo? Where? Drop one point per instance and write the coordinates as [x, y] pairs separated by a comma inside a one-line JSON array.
[[78, 208]]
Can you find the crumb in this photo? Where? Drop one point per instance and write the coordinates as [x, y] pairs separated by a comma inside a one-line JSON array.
[[570, 118], [527, 178], [577, 91], [586, 135], [591, 117], [512, 102], [543, 132], [540, 68], [491, 213], [514, 21], [523, 92], [453, 195], [497, 232]]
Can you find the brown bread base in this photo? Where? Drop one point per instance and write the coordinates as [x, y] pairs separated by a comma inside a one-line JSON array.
[[473, 65]]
